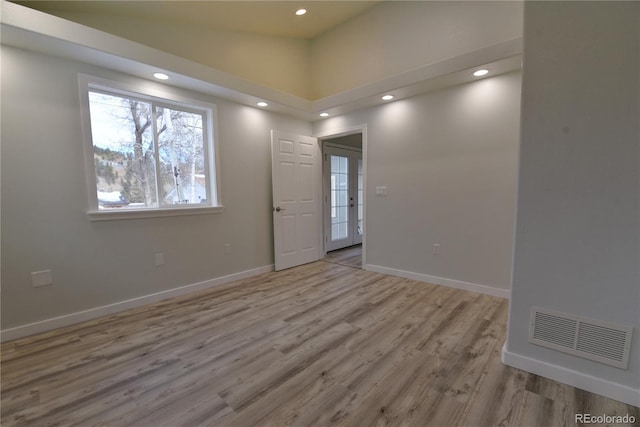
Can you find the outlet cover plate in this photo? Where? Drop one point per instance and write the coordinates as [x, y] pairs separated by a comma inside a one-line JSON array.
[[41, 278]]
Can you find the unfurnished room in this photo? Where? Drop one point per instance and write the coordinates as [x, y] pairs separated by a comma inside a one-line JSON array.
[[319, 213]]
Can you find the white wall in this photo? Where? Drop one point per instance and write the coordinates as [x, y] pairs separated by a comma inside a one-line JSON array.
[[449, 161], [44, 202], [577, 246], [399, 36], [280, 63]]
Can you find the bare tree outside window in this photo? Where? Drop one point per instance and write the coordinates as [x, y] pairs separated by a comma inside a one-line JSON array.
[[147, 155]]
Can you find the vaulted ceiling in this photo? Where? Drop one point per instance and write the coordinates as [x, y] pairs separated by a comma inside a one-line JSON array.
[[274, 18], [340, 56]]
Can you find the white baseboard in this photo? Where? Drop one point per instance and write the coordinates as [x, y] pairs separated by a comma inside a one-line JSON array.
[[482, 289], [573, 378], [93, 313]]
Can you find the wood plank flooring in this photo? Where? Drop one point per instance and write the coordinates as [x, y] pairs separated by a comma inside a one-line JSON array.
[[351, 256], [319, 345]]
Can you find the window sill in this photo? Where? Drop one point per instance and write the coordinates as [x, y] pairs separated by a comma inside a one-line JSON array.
[[114, 215]]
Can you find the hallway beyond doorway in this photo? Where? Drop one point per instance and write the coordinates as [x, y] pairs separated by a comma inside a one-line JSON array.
[[350, 257]]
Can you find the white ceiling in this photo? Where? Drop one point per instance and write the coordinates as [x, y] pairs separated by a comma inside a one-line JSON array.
[[275, 18]]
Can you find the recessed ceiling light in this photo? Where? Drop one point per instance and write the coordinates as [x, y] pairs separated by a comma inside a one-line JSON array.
[[262, 104], [161, 76], [387, 97], [301, 12], [481, 73], [324, 114]]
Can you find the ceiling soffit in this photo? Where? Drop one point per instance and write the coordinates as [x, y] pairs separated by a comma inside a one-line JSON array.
[[40, 32]]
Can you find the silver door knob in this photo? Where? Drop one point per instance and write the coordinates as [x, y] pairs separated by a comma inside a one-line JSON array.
[[278, 209]]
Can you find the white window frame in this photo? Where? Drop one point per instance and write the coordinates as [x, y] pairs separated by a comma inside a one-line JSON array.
[[159, 95]]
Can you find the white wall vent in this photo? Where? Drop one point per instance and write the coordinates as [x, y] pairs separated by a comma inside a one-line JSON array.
[[591, 339]]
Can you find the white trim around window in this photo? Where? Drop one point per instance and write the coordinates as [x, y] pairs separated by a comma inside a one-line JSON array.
[[161, 96]]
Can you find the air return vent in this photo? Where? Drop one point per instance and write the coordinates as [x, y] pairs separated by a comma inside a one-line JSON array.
[[588, 338]]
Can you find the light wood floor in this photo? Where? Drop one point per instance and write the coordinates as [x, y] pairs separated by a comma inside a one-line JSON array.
[[318, 345], [351, 256]]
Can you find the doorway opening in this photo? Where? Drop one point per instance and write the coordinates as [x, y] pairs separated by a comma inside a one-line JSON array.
[[350, 256], [343, 197]]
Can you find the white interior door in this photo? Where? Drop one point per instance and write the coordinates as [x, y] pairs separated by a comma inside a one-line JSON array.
[[297, 225], [343, 197]]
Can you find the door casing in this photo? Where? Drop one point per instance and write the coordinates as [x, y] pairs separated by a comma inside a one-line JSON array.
[[320, 209], [330, 134]]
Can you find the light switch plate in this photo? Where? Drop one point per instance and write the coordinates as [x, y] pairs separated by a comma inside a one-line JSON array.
[[381, 191]]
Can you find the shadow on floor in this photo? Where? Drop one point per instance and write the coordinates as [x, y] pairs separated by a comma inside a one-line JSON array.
[[351, 256]]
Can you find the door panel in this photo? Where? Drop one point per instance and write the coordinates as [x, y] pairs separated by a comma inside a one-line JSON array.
[[308, 235], [295, 162], [288, 228]]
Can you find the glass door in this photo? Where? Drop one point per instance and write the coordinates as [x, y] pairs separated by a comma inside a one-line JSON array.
[[343, 198]]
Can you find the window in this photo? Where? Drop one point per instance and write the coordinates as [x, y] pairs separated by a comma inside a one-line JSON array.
[[148, 153]]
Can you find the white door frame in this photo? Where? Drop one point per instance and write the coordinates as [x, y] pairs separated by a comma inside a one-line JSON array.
[[344, 132]]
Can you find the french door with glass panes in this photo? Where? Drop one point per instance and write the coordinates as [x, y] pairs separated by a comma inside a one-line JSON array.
[[343, 207]]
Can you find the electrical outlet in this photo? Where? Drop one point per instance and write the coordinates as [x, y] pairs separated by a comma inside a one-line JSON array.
[[159, 259], [41, 278], [227, 248], [436, 248]]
